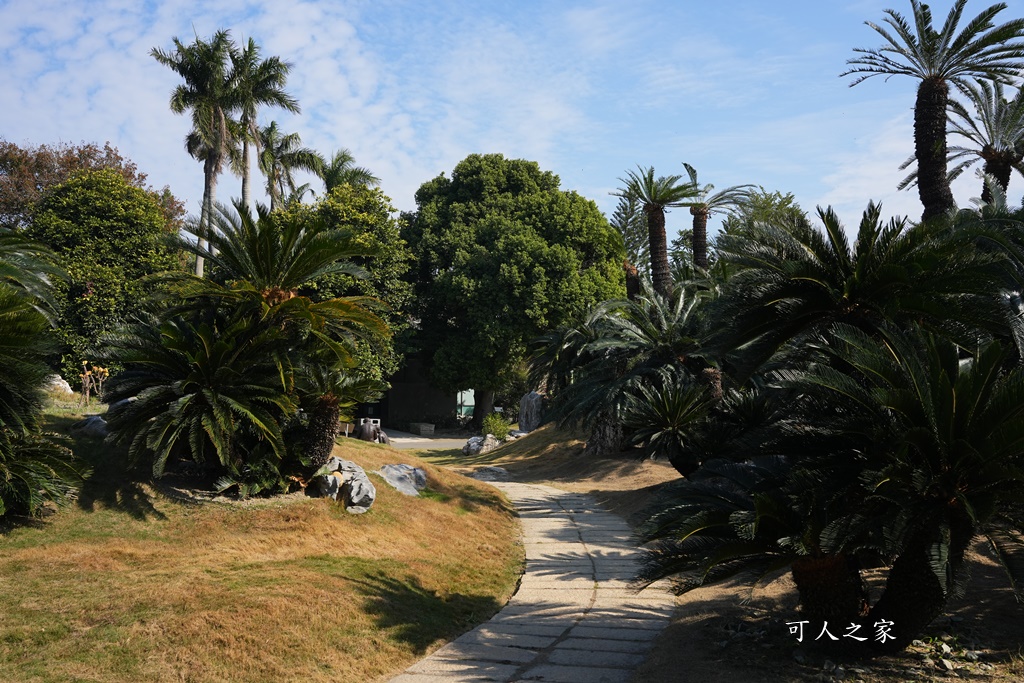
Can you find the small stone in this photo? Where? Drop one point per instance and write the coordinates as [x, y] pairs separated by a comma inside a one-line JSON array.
[[972, 655], [917, 643], [928, 661], [948, 664], [799, 656], [829, 665], [93, 425], [946, 649], [839, 673], [945, 637], [405, 479]]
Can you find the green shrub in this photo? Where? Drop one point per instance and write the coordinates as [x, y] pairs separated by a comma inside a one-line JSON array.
[[494, 424]]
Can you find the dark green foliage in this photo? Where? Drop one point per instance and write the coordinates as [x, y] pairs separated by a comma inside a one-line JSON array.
[[217, 376], [108, 235], [501, 256], [791, 281], [34, 468], [211, 391], [366, 213]]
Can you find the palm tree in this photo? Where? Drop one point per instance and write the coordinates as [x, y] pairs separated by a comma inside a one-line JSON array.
[[282, 154], [257, 83], [705, 204], [791, 281], [209, 93], [261, 262], [937, 59], [656, 196], [941, 441], [341, 169], [996, 134], [209, 385]]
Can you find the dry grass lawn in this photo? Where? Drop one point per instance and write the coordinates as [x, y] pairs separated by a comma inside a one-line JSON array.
[[129, 585]]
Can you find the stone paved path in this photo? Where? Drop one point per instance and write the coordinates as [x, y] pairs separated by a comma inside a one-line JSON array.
[[573, 619]]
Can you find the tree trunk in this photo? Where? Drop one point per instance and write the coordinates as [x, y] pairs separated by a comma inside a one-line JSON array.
[[632, 281], [246, 191], [606, 437], [999, 166], [700, 236], [322, 431], [914, 596], [831, 589], [206, 215], [483, 405], [930, 147], [661, 275]]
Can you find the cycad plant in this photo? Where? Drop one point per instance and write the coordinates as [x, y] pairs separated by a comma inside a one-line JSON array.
[[34, 467], [792, 281]]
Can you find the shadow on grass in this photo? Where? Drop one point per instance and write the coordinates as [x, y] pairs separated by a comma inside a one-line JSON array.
[[112, 481], [418, 616]]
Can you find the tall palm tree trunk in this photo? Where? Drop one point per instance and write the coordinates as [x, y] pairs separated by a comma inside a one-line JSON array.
[[930, 147], [700, 236], [246, 191], [661, 275], [206, 215]]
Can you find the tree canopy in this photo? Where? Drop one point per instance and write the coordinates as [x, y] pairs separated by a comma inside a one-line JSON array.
[[502, 255]]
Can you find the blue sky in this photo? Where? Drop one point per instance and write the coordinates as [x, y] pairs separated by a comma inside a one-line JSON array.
[[746, 92]]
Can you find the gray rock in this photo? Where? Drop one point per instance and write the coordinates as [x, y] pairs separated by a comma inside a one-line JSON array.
[[405, 478], [491, 473], [57, 385], [94, 426], [347, 483], [480, 444], [530, 411], [517, 433]]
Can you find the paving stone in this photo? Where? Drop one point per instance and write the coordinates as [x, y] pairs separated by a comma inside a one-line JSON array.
[[597, 658], [553, 673], [486, 653], [488, 671], [575, 618], [604, 645]]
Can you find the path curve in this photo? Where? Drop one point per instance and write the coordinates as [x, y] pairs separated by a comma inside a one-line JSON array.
[[574, 618]]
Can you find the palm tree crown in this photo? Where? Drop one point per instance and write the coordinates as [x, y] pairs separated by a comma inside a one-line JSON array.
[[656, 195], [282, 154], [341, 169], [209, 93], [257, 83], [938, 58], [705, 203]]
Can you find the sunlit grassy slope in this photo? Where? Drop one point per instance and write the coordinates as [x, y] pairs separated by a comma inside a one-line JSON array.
[[128, 585]]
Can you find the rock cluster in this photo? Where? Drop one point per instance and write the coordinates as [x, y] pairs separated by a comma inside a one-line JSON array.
[[347, 483], [480, 444], [405, 478]]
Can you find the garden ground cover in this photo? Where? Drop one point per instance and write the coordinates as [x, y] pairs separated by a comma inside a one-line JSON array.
[[127, 584]]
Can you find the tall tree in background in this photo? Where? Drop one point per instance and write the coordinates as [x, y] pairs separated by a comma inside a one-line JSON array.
[[938, 58], [502, 256], [257, 83], [705, 203], [209, 93], [656, 196], [342, 169], [280, 155]]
